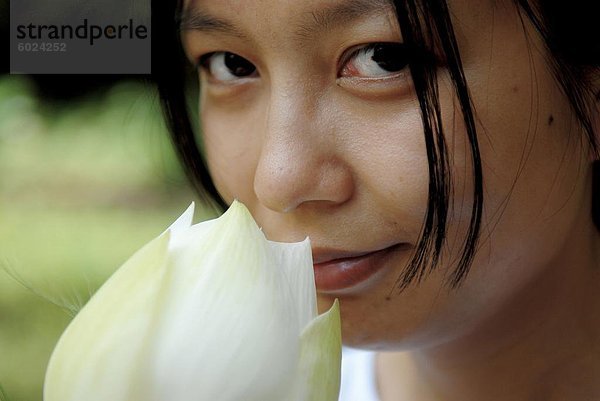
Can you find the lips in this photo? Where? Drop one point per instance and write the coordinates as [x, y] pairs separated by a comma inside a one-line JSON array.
[[337, 270]]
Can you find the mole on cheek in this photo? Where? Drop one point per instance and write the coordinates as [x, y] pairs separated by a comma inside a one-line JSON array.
[[550, 119]]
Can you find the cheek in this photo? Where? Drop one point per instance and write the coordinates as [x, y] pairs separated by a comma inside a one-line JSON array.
[[532, 155], [393, 155], [232, 149], [385, 146], [534, 186]]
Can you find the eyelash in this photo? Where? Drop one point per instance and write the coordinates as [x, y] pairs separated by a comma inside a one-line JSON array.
[[205, 60], [402, 57], [400, 54]]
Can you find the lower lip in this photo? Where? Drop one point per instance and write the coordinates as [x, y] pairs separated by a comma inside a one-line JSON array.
[[344, 273]]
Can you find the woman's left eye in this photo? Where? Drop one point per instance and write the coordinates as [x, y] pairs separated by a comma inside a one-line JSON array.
[[377, 60]]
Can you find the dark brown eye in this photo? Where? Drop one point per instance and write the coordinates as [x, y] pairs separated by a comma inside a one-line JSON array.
[[391, 57], [226, 66], [239, 66], [377, 60]]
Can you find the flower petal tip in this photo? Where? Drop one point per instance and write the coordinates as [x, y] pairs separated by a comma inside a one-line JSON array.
[[184, 221], [239, 215]]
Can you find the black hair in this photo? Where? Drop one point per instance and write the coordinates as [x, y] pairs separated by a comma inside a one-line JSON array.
[[568, 30], [169, 72]]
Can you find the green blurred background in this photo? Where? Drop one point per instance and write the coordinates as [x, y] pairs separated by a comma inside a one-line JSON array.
[[86, 178]]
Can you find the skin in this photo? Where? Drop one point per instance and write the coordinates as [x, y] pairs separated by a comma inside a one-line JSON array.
[[313, 147]]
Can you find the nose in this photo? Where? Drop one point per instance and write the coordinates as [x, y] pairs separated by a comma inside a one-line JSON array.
[[301, 160]]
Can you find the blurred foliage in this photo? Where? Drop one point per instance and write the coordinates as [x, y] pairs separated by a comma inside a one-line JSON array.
[[82, 186]]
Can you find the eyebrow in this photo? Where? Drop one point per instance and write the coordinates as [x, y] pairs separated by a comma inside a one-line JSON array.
[[317, 21], [341, 14], [197, 20]]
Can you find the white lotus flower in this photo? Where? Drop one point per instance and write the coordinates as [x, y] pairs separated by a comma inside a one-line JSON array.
[[212, 311]]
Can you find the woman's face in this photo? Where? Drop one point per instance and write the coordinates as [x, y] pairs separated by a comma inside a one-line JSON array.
[[309, 117]]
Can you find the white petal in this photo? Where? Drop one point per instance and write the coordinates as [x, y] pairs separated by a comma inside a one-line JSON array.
[[320, 358], [295, 259], [229, 329], [184, 221], [211, 311], [99, 355], [182, 229]]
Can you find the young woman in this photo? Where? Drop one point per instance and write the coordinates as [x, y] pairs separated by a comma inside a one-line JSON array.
[[439, 154]]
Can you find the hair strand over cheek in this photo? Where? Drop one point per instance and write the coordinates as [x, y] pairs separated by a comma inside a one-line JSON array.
[[421, 26]]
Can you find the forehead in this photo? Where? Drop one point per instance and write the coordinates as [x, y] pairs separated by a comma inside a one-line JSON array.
[[273, 19], [280, 7], [291, 15]]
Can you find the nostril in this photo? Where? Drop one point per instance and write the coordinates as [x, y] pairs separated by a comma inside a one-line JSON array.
[[285, 183]]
